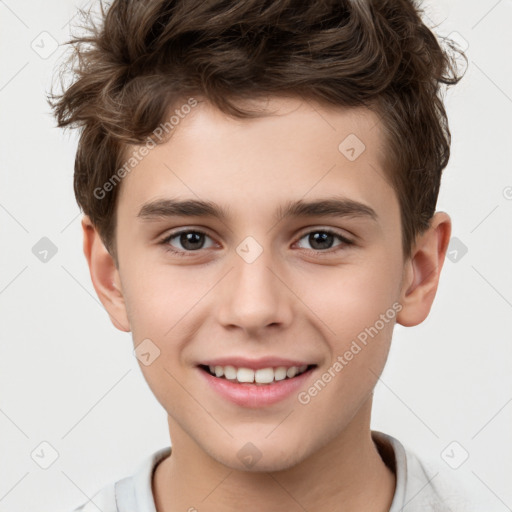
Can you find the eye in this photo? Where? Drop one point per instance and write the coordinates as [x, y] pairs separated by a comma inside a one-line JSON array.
[[322, 239], [190, 241]]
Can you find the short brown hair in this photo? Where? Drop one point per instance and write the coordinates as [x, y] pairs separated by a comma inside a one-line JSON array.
[[147, 55]]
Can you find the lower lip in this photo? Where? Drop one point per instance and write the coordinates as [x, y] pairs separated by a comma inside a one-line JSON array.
[[255, 395]]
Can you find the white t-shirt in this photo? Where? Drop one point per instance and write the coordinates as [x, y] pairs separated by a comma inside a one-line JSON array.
[[419, 485]]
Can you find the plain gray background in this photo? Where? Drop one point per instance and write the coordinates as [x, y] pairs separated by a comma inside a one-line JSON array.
[[70, 379]]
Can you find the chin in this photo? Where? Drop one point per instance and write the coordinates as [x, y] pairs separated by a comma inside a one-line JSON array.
[[262, 456], [271, 465]]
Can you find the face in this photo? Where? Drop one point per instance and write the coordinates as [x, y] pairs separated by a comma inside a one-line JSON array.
[[302, 267]]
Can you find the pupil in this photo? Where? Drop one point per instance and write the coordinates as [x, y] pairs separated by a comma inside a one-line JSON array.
[[189, 238], [320, 237]]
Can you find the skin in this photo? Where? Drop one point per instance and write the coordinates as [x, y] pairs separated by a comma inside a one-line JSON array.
[[296, 300]]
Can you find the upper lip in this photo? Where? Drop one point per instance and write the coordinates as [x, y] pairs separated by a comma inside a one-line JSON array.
[[255, 364]]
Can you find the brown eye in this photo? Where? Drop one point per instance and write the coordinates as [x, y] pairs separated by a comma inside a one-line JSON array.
[[322, 240], [187, 241]]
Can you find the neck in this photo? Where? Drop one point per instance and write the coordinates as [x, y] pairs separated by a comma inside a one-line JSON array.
[[348, 470]]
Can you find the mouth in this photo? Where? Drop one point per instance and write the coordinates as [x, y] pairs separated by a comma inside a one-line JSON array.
[[257, 382], [256, 388], [256, 377]]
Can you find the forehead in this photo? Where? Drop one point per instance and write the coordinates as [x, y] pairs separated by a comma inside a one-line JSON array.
[[297, 148]]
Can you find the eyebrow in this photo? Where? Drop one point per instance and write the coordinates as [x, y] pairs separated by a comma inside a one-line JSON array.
[[333, 206]]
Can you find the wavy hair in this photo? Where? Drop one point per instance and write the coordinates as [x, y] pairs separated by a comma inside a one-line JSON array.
[[147, 55]]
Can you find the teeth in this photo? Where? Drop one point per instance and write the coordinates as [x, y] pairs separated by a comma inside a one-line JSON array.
[[230, 372], [264, 375], [245, 375], [260, 376], [280, 373], [291, 372]]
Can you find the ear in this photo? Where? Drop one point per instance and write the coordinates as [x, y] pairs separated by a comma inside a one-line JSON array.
[[422, 271], [105, 276]]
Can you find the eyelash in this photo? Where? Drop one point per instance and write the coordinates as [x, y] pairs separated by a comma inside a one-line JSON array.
[[185, 253]]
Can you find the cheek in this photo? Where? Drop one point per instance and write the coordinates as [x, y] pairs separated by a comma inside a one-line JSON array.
[[349, 299], [164, 383], [158, 303], [360, 320], [157, 300]]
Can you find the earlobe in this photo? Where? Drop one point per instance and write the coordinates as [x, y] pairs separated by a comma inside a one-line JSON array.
[[423, 270], [104, 276]]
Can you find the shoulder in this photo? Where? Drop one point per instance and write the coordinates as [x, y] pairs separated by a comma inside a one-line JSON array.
[[421, 484], [133, 492]]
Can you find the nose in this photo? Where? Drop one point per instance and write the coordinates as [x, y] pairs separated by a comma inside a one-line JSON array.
[[254, 296]]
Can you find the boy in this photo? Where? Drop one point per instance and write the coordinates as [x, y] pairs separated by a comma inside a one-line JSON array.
[[300, 146]]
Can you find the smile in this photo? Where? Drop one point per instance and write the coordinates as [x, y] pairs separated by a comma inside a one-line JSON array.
[[258, 387], [262, 376]]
